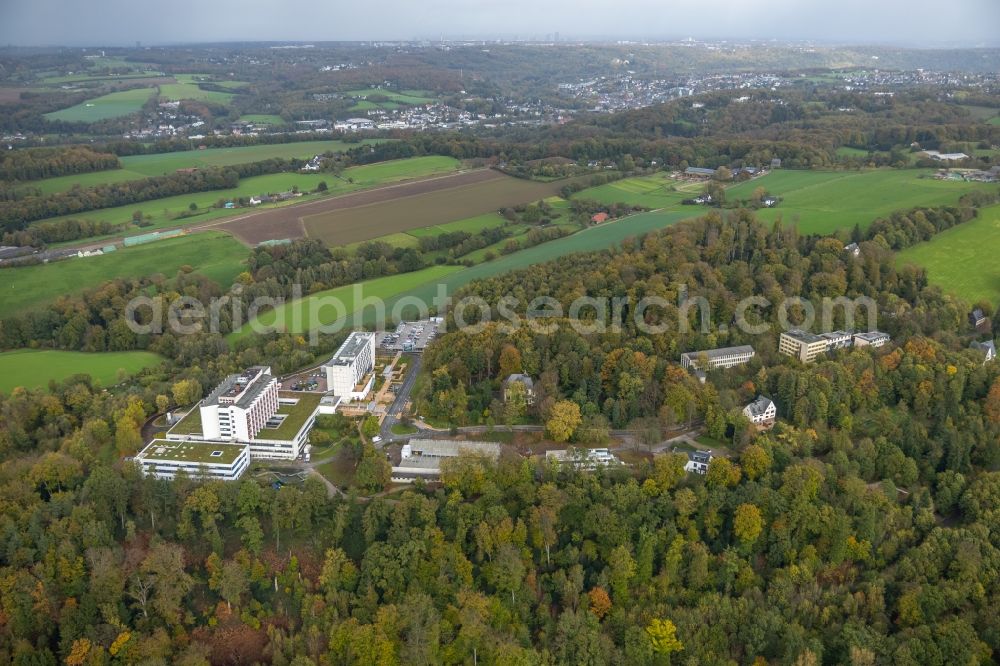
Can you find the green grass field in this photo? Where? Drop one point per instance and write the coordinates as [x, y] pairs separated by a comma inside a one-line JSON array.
[[161, 210], [471, 225], [653, 192], [213, 254], [106, 106], [137, 167], [593, 238], [296, 316], [156, 165], [963, 259], [412, 97], [821, 202], [179, 91], [262, 119], [33, 368]]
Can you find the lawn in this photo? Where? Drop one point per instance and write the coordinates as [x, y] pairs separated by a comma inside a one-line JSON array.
[[112, 105], [296, 414], [213, 254], [963, 259], [33, 368], [821, 202], [300, 315], [653, 192]]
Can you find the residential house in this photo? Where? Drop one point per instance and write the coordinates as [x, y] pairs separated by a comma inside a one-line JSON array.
[[698, 461], [600, 217], [761, 412], [977, 318], [988, 349], [853, 248], [523, 380]]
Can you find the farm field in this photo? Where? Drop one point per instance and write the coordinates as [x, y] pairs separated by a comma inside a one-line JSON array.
[[406, 96], [215, 255], [963, 260], [163, 212], [591, 239], [295, 316], [33, 368], [471, 225], [137, 167], [157, 165], [653, 192], [821, 202], [162, 163], [262, 119], [424, 209], [93, 179], [179, 91], [112, 105]]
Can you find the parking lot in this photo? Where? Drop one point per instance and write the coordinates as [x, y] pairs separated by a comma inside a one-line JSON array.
[[313, 380], [410, 336]]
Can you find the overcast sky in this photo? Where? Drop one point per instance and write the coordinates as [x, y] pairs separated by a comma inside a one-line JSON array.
[[122, 22]]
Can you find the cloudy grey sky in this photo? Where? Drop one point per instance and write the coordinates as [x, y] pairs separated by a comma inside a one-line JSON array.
[[122, 22]]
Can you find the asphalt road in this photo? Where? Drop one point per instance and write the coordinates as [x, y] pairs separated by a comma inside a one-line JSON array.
[[396, 409]]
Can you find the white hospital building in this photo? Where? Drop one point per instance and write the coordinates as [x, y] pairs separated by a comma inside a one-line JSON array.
[[246, 417], [349, 374]]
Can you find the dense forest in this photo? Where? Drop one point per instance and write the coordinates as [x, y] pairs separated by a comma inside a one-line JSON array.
[[862, 530]]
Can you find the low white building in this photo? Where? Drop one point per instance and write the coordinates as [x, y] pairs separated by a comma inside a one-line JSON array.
[[583, 458], [422, 458], [871, 339], [761, 411], [725, 357], [199, 460]]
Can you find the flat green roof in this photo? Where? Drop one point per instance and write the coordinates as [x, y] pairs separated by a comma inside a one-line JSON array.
[[190, 424], [197, 452], [296, 415]]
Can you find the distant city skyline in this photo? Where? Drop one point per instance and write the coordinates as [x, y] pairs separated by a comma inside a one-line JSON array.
[[914, 23]]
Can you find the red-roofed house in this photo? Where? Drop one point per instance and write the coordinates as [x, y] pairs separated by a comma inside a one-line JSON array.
[[600, 217]]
